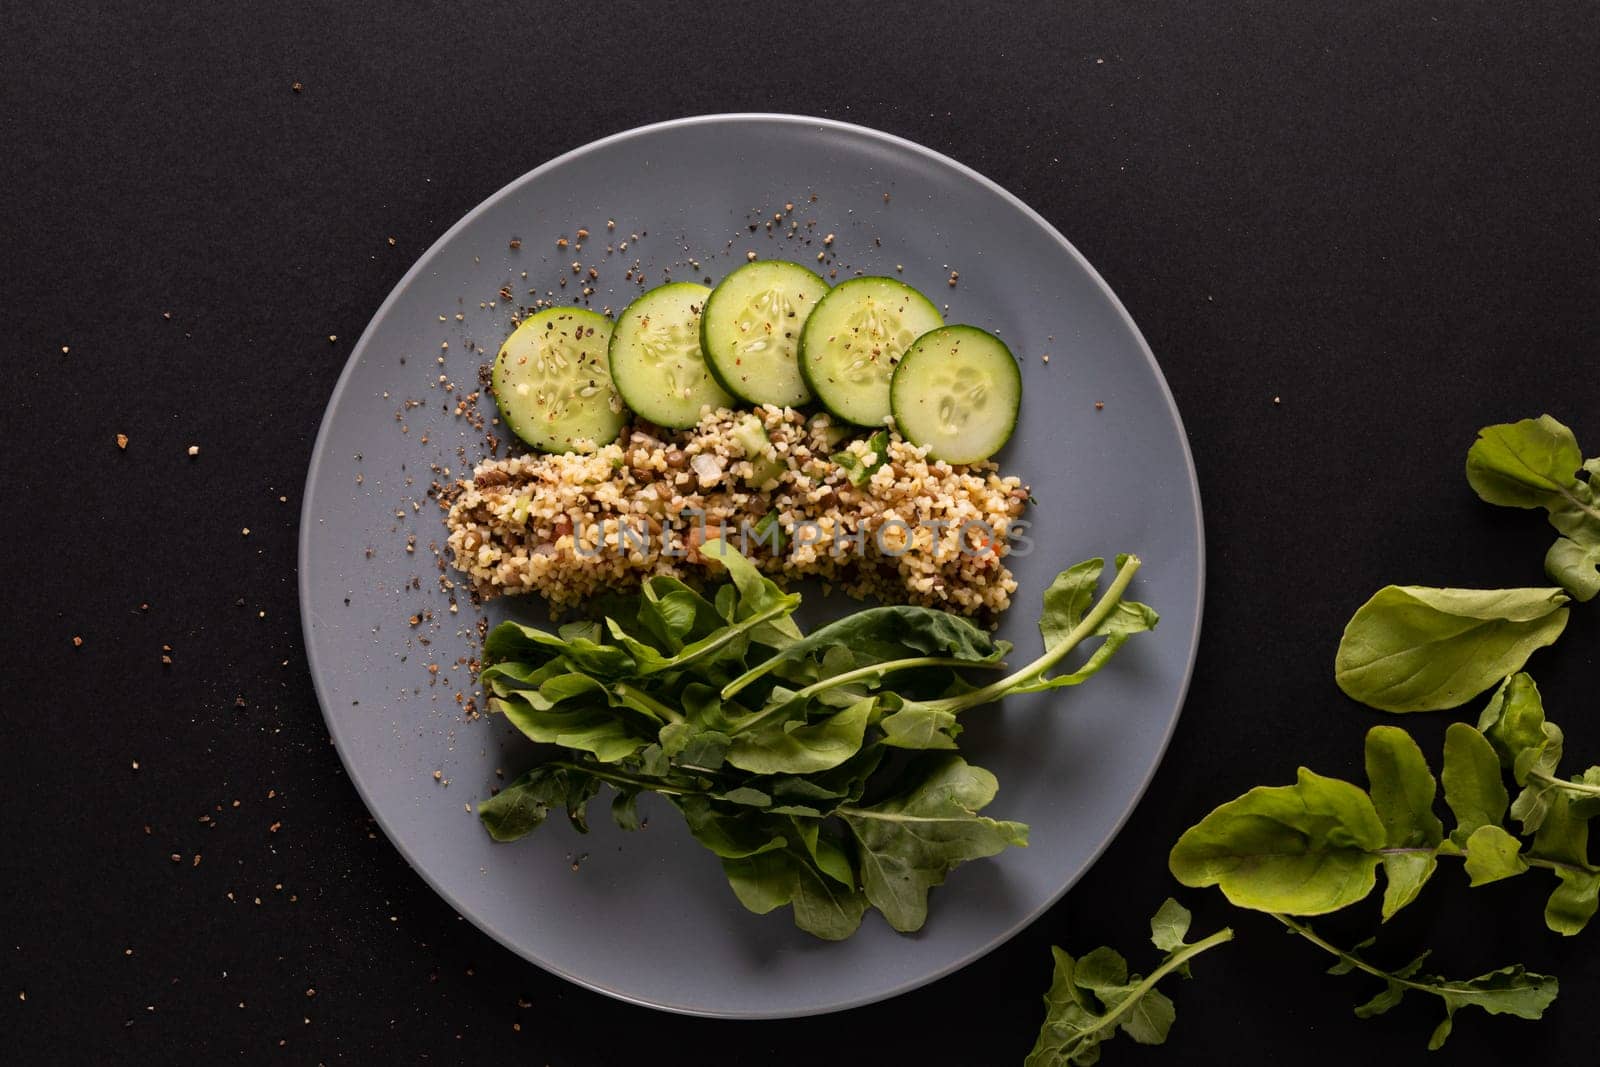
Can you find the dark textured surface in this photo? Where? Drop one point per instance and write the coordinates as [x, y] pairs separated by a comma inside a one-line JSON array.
[[1387, 218]]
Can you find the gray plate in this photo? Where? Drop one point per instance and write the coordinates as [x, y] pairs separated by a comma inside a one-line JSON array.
[[647, 917]]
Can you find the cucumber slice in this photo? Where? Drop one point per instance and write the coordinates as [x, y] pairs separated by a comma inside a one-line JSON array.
[[957, 391], [853, 339], [656, 359], [552, 383], [750, 331]]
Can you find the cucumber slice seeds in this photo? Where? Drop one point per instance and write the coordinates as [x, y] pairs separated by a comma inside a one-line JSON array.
[[750, 331], [957, 391], [656, 359], [854, 338], [552, 384]]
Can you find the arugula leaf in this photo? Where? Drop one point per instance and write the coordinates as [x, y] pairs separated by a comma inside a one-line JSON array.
[[1508, 991], [1068, 599], [1403, 791], [1472, 786], [1528, 745], [918, 726], [1091, 998], [1305, 849], [799, 747], [1575, 565], [1412, 648], [503, 679], [759, 596], [586, 727], [625, 809], [908, 842], [1536, 463], [643, 699], [1492, 854], [1563, 841], [1064, 626], [822, 906], [1513, 720], [731, 835], [1122, 622], [883, 635], [515, 641], [518, 809]]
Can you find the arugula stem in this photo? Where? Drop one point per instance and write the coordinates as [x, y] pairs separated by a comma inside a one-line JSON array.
[[1580, 505], [1085, 629], [656, 785], [892, 665], [1362, 965], [1582, 788], [1108, 1021], [732, 631], [1532, 859], [639, 700], [1349, 957]]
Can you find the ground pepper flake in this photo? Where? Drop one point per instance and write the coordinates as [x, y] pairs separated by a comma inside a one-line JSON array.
[[77, 642], [122, 440]]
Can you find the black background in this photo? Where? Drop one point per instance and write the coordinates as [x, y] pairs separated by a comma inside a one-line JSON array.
[[1386, 215]]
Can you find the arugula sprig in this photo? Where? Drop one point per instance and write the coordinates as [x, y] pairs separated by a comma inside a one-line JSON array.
[[1413, 648], [772, 743], [1316, 846], [1511, 990], [1536, 463], [1092, 997]]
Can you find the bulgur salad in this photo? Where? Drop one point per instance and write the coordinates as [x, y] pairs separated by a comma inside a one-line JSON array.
[[874, 516]]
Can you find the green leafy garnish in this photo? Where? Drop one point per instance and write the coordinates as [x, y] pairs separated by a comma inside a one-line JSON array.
[[1536, 463], [1316, 846], [1412, 648], [1094, 996], [1508, 991], [772, 743]]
